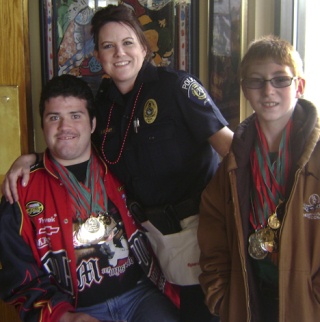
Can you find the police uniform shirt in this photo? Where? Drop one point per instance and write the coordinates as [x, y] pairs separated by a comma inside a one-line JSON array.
[[160, 131]]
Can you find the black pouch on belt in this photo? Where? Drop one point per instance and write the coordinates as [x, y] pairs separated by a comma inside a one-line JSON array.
[[163, 218]]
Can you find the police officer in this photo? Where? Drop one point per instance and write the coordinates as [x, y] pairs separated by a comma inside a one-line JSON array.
[[159, 131]]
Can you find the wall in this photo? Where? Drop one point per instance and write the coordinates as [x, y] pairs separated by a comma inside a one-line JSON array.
[[259, 21], [35, 61], [15, 72]]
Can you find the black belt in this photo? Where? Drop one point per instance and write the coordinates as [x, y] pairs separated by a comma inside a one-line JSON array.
[[166, 218]]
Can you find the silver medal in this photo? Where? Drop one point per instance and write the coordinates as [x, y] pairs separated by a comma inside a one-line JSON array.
[[255, 250]]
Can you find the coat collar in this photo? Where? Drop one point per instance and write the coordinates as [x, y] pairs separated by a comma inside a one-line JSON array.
[[306, 132]]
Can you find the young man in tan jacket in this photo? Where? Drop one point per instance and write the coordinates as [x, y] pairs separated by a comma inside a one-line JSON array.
[[259, 230]]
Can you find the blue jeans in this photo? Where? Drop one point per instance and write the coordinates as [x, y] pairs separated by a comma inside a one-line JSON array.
[[144, 303]]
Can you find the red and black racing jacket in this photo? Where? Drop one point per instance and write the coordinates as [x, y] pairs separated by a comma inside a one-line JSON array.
[[37, 258]]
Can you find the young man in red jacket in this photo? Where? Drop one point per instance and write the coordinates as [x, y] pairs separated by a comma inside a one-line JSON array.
[[69, 248]]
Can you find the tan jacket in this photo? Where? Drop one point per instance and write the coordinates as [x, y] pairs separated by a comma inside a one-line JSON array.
[[223, 231]]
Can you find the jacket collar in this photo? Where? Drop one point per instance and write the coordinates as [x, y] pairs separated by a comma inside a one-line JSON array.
[[49, 166], [305, 122]]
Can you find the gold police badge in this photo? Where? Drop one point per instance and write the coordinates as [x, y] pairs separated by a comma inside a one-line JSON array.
[[150, 111]]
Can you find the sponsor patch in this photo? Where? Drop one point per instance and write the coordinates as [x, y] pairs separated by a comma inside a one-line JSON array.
[[34, 208]]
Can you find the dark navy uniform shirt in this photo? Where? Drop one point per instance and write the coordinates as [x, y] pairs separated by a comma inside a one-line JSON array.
[[166, 157]]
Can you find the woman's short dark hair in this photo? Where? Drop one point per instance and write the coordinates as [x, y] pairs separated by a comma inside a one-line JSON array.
[[121, 14], [67, 86]]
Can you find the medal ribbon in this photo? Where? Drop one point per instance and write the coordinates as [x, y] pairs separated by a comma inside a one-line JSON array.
[[269, 179], [88, 198]]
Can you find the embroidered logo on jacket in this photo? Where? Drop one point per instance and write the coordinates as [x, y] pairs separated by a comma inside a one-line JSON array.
[[34, 208], [311, 210]]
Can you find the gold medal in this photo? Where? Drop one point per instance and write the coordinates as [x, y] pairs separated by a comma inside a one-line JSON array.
[[96, 229], [268, 239], [273, 221], [91, 231], [266, 235]]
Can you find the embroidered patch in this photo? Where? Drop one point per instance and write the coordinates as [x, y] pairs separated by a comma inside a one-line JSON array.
[[34, 208], [195, 91], [311, 210], [150, 111], [48, 230]]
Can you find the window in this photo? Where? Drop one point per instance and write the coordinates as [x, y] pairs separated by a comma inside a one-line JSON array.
[[301, 28], [307, 29]]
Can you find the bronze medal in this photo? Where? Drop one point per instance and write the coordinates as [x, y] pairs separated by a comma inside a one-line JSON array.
[[273, 221]]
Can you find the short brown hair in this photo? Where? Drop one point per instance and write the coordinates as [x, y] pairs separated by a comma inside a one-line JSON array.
[[281, 51], [67, 85], [121, 14]]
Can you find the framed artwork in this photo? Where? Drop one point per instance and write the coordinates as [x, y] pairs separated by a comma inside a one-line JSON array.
[[224, 57], [67, 45]]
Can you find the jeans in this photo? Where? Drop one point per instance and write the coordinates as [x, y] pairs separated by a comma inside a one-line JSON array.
[[144, 303]]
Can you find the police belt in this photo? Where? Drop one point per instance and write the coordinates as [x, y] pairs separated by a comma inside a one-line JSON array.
[[166, 218]]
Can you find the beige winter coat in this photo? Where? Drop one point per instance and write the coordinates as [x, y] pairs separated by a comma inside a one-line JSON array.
[[224, 229]]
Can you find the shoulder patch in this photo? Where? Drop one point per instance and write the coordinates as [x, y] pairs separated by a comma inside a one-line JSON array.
[[195, 91], [34, 208]]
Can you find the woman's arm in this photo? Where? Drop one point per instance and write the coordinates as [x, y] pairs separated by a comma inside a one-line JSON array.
[[221, 141]]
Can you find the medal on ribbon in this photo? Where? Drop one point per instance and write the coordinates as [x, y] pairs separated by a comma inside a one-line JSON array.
[[270, 172]]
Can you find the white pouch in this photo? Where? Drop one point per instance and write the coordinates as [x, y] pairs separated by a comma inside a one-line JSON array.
[[179, 253]]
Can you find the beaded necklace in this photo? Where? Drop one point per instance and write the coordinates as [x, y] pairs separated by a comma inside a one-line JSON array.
[[126, 133]]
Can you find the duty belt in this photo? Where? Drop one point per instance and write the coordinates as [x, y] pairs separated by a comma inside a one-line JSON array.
[[166, 218]]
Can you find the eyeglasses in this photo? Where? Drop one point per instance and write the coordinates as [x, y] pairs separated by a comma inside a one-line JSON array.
[[277, 82]]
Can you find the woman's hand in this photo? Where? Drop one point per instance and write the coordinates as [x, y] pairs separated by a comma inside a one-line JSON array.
[[19, 168]]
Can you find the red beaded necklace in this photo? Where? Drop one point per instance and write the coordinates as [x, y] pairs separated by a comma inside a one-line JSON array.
[[126, 133]]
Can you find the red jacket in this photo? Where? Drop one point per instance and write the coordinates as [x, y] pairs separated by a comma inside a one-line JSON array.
[[36, 237]]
